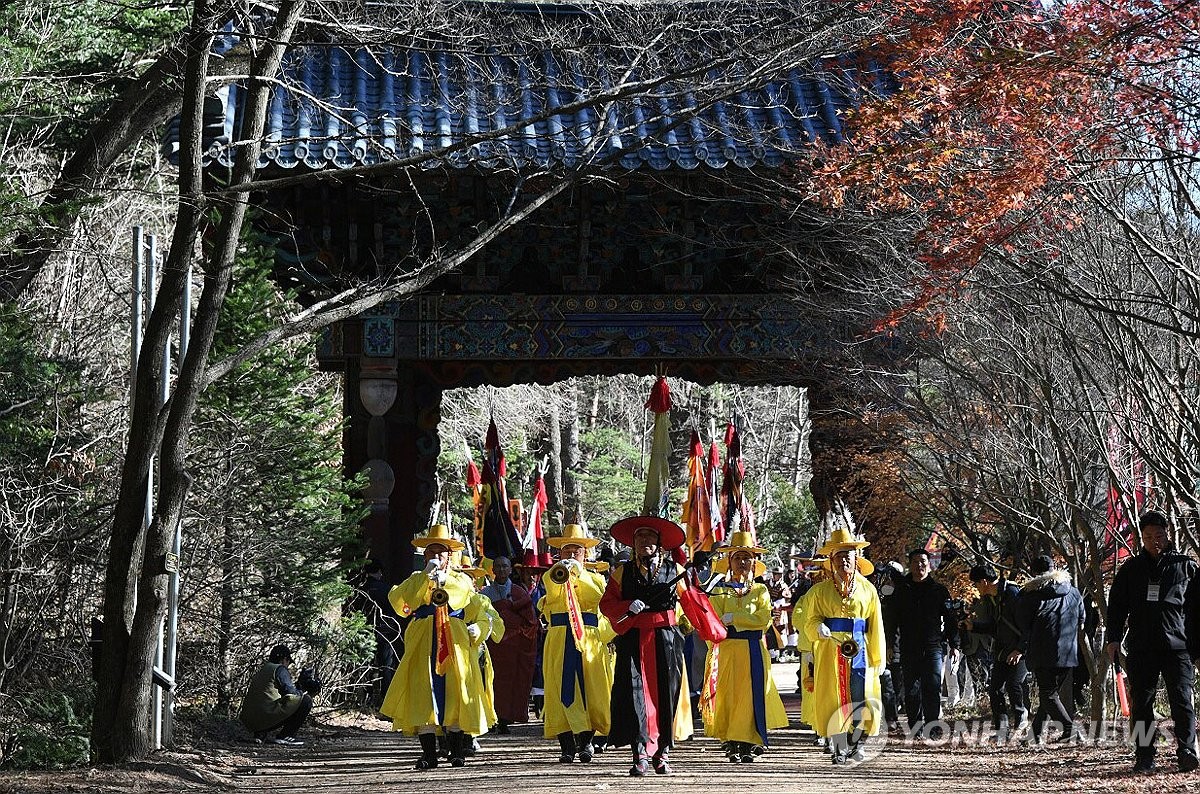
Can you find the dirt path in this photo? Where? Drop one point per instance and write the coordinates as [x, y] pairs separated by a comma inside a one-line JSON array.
[[362, 757]]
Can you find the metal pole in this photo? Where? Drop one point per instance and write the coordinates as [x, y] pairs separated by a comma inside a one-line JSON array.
[[168, 713], [135, 312], [148, 514]]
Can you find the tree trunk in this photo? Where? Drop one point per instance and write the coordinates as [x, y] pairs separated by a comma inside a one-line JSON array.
[[801, 466], [572, 457], [554, 472], [120, 728]]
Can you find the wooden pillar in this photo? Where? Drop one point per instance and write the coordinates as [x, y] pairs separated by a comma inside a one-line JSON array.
[[831, 467], [413, 448]]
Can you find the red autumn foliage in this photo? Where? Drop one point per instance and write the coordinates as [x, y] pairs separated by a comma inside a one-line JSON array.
[[1007, 112]]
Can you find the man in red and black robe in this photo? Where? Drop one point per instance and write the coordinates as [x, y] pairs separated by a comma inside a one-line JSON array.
[[648, 712]]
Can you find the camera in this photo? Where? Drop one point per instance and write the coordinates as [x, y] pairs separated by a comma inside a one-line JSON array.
[[958, 609], [308, 682]]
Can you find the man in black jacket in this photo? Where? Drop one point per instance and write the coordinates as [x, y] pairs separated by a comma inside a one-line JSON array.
[[926, 626], [1156, 595], [995, 615]]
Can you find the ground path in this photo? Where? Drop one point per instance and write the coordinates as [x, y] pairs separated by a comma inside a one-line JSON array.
[[367, 758]]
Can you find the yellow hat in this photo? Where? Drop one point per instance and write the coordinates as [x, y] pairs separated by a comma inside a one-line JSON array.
[[439, 534], [722, 566], [842, 538], [861, 564], [572, 535], [742, 541], [462, 562], [599, 566]]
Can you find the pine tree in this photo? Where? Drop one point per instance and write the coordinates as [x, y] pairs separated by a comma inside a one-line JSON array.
[[277, 521]]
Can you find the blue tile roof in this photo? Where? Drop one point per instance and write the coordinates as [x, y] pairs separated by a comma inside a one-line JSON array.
[[338, 107]]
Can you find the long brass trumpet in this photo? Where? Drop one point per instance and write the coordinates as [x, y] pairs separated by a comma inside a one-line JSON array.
[[439, 597], [558, 573], [848, 648]]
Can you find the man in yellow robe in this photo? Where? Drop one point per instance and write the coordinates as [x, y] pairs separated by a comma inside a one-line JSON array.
[[739, 701], [481, 612], [805, 675], [437, 687], [578, 679], [844, 621]]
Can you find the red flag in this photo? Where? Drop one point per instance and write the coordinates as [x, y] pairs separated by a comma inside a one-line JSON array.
[[535, 536], [474, 486], [1128, 491]]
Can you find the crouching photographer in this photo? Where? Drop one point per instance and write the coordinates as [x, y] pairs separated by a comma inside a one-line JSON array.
[[274, 702]]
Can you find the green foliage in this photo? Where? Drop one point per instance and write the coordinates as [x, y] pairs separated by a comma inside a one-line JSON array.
[[612, 487], [46, 729], [72, 56], [795, 520], [268, 463], [32, 388], [62, 63]]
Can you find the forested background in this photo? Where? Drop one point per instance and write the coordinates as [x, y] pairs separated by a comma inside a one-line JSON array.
[[1033, 249]]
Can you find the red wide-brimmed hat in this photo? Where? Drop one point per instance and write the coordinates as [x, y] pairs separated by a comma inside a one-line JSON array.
[[670, 534]]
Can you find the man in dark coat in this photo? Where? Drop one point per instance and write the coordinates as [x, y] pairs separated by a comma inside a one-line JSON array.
[[647, 711], [995, 615], [1049, 616], [387, 625], [1156, 595], [927, 627]]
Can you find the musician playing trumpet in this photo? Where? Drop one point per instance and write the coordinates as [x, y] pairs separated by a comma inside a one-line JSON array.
[[577, 677], [843, 620], [739, 700], [438, 687]]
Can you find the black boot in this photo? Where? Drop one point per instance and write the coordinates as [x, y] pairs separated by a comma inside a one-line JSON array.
[[583, 746], [454, 743], [641, 764], [566, 744], [661, 765], [539, 702], [429, 755]]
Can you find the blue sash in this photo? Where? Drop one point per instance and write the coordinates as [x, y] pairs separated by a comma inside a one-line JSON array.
[[856, 628], [758, 684], [572, 670], [438, 682]]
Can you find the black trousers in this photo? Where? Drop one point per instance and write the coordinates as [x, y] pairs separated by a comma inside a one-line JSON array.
[[891, 706], [1143, 671], [1008, 690], [1050, 705], [292, 724]]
